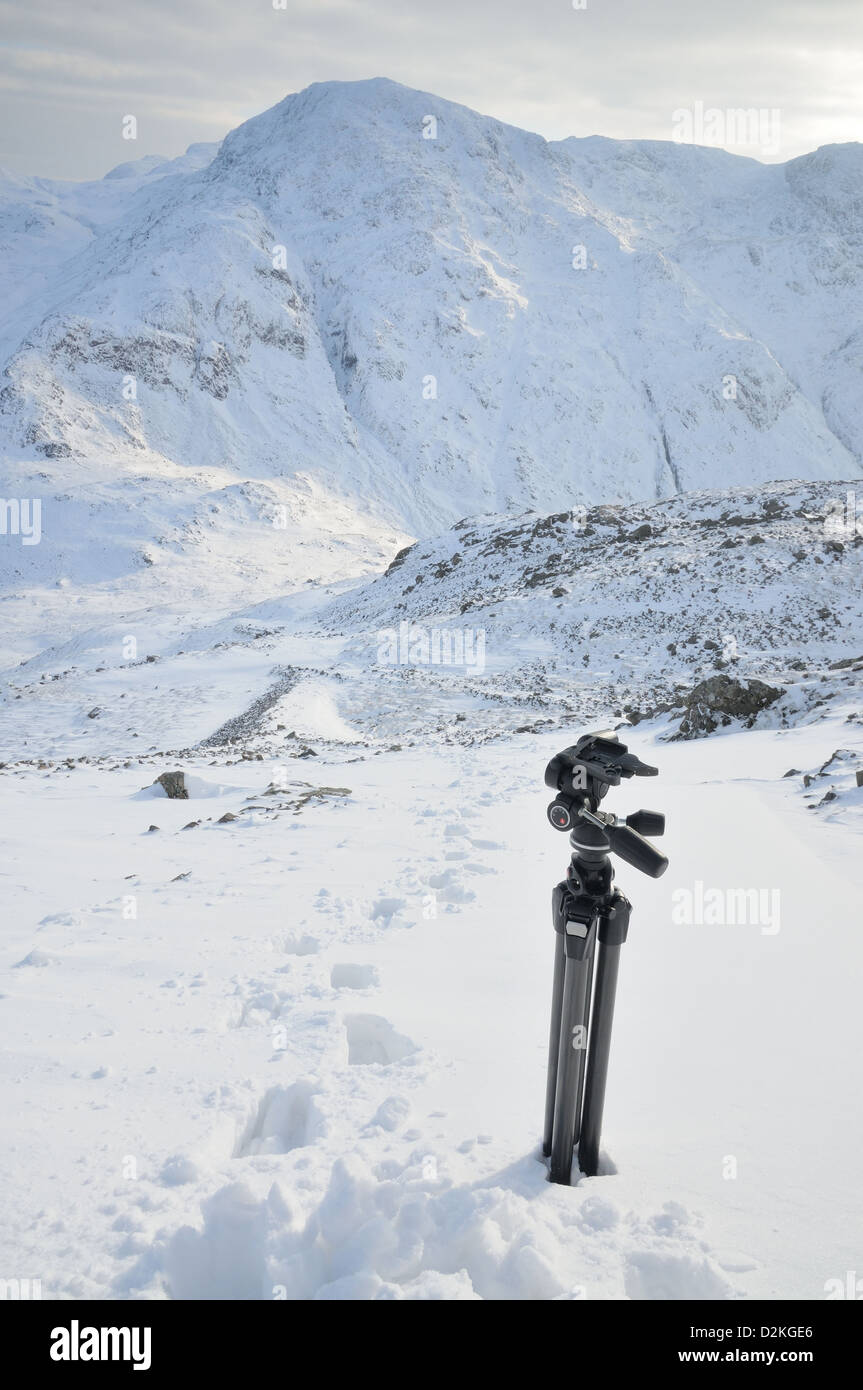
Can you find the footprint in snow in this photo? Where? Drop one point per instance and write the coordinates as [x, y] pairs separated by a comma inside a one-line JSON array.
[[259, 1005], [657, 1275], [373, 1040], [300, 944], [285, 1119], [351, 976], [392, 1113], [449, 887], [385, 909]]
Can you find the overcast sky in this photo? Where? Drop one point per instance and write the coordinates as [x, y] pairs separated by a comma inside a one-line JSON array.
[[191, 70]]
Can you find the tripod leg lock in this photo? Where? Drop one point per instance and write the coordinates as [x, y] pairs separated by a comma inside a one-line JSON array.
[[614, 921], [575, 919]]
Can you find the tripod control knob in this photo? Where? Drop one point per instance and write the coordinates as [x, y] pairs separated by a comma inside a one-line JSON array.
[[647, 822], [560, 815]]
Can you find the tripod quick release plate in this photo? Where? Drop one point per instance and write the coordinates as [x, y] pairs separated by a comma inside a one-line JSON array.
[[592, 765]]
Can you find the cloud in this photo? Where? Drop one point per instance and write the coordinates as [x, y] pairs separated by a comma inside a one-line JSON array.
[[193, 69]]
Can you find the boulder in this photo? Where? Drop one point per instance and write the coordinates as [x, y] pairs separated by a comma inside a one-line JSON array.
[[719, 700], [174, 784]]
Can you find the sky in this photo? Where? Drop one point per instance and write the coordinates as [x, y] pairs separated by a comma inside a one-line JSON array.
[[191, 70]]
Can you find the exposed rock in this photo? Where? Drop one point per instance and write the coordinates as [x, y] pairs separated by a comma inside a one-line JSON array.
[[320, 794], [399, 559], [719, 700], [174, 784]]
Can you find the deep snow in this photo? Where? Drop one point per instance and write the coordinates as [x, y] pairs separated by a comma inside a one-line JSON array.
[[312, 1063]]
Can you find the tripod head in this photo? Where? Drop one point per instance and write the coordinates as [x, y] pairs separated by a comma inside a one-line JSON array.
[[581, 776]]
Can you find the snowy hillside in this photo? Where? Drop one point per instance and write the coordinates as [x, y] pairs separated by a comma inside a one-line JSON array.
[[338, 316], [585, 616]]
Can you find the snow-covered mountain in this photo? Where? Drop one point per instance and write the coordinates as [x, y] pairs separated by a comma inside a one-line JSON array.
[[378, 307]]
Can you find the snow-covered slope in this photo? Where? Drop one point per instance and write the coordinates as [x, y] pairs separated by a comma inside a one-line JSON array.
[[498, 625], [622, 610], [343, 314]]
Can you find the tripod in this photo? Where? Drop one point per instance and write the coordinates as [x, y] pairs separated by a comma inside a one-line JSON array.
[[591, 921]]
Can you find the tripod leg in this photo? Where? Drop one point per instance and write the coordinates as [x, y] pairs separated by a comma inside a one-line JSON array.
[[553, 1040], [601, 1020], [571, 1053], [579, 1099]]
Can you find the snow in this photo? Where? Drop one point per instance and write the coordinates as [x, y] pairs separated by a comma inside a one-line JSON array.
[[312, 1063], [286, 1038]]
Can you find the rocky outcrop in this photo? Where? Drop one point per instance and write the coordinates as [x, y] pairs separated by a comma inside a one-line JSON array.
[[718, 701]]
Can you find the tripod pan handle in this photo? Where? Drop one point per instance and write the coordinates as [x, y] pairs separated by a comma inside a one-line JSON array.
[[637, 851]]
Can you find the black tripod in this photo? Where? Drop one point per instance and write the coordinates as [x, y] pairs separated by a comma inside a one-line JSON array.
[[591, 920]]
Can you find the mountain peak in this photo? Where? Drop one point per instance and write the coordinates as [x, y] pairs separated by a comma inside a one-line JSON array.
[[379, 306]]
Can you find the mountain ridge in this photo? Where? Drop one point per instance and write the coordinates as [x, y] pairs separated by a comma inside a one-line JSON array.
[[410, 330]]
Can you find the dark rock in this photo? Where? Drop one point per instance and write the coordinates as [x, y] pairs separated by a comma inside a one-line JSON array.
[[226, 818], [719, 700], [94, 712], [399, 559]]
